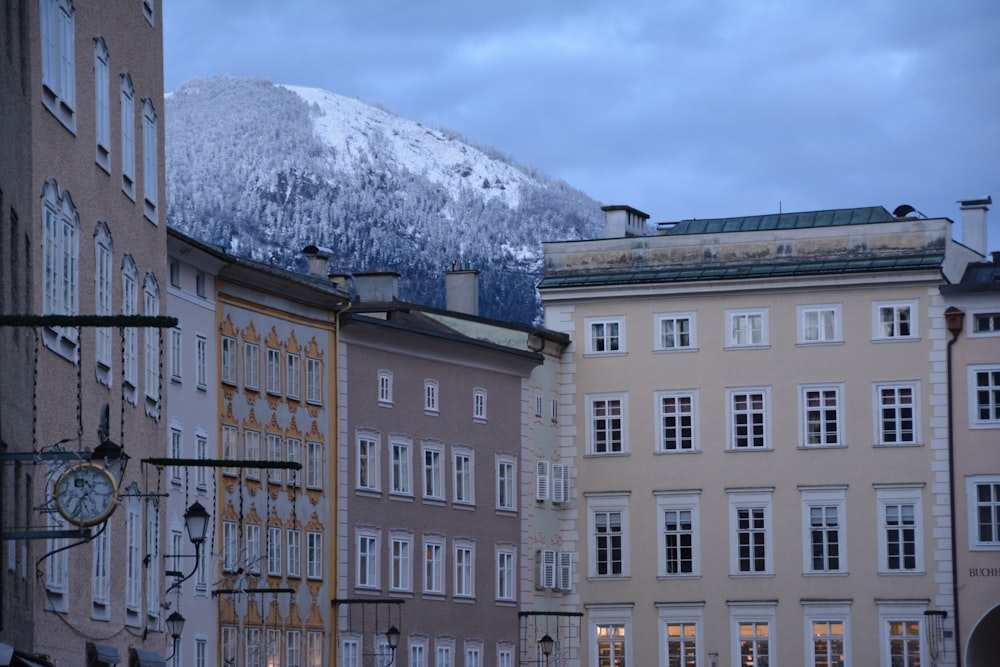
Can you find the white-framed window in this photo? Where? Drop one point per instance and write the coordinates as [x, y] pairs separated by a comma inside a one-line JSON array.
[[133, 560], [59, 60], [103, 255], [251, 450], [314, 554], [368, 458], [752, 629], [506, 483], [174, 267], [314, 648], [675, 331], [678, 419], [560, 483], [894, 320], [176, 355], [983, 494], [505, 655], [350, 652], [153, 554], [473, 655], [462, 464], [251, 366], [228, 641], [252, 537], [749, 422], [465, 557], [294, 552], [554, 409], [538, 404], [201, 361], [431, 396], [418, 652], [679, 535], [151, 337], [824, 539], [368, 550], [60, 263], [230, 444], [199, 283], [821, 415], [227, 354], [274, 455], [900, 528], [545, 568], [385, 387], [293, 375], [176, 451], [747, 328], [314, 380], [479, 404], [433, 472], [130, 306], [57, 565], [274, 549], [201, 652], [985, 324], [606, 335], [750, 528], [400, 470], [314, 464], [293, 648], [506, 578], [401, 565], [273, 371], [434, 565], [607, 431], [900, 632], [984, 396], [608, 535], [820, 323], [443, 651], [128, 135], [897, 420], [610, 635], [201, 452], [150, 165], [253, 646], [273, 647], [542, 480], [293, 449], [681, 634], [100, 583]]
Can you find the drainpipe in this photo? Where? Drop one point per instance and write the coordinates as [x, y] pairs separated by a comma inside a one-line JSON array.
[[955, 322]]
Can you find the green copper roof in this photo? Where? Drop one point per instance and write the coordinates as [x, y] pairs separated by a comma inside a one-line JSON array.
[[745, 271], [753, 223]]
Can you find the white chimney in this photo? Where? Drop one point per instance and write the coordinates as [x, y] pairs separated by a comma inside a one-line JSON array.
[[319, 260], [462, 289], [622, 221], [377, 287], [974, 223]]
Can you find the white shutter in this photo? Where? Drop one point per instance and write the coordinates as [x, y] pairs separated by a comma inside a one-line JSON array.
[[548, 568], [560, 483], [541, 480], [565, 578]]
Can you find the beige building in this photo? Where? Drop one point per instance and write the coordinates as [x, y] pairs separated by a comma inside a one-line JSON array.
[[758, 406]]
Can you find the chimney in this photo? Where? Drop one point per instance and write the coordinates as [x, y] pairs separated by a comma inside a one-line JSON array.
[[319, 260], [622, 221], [974, 223], [462, 289], [376, 287]]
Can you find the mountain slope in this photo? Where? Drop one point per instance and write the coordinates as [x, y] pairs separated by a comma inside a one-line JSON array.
[[264, 170]]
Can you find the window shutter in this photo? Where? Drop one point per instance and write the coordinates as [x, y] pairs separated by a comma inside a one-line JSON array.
[[565, 580], [548, 568], [560, 483], [541, 480]]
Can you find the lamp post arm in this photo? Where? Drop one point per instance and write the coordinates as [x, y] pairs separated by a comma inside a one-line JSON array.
[[197, 562]]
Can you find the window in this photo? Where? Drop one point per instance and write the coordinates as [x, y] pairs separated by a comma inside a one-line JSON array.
[[294, 552], [611, 636], [462, 461], [274, 454], [431, 396], [541, 480], [750, 528], [538, 405], [273, 647], [176, 451], [128, 135], [60, 263], [464, 570], [900, 630], [199, 283], [984, 396], [314, 381], [229, 644], [230, 546], [251, 366], [314, 555], [314, 648], [505, 574], [749, 420], [747, 328], [293, 642], [200, 652], [560, 483], [433, 473], [367, 462], [820, 324], [130, 306], [399, 471], [228, 354], [545, 568], [150, 168], [294, 366], [680, 634], [752, 634], [983, 493], [434, 566], [153, 554], [133, 560], [442, 655], [506, 484], [401, 567], [103, 251], [820, 415], [314, 464], [350, 653], [253, 652], [58, 60], [505, 657], [368, 548], [385, 387], [678, 537], [147, 11], [201, 452], [176, 356], [824, 548], [606, 336], [294, 447], [100, 584], [418, 653], [608, 535], [893, 321], [151, 336], [986, 323], [606, 433], [675, 331], [479, 404], [900, 517], [274, 551], [273, 371], [201, 361], [897, 422], [826, 634], [252, 535], [554, 409], [677, 421], [473, 656], [229, 447], [251, 442]]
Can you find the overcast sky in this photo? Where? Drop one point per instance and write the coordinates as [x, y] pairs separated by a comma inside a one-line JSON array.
[[682, 109]]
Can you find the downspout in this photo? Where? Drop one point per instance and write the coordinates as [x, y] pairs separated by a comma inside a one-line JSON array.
[[955, 322]]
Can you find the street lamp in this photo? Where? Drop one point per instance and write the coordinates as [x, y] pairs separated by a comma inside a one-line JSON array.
[[175, 626], [392, 639], [196, 521], [546, 643]]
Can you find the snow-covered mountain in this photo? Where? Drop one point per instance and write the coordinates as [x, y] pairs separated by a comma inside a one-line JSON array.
[[264, 170]]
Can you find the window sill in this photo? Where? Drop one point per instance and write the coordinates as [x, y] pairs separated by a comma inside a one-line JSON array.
[[826, 574], [603, 455], [897, 445], [820, 447], [676, 577], [751, 575], [675, 350], [468, 507], [401, 497], [671, 452], [743, 450], [616, 353], [368, 493], [609, 577], [439, 502], [505, 511], [902, 573], [899, 339], [761, 346], [818, 343]]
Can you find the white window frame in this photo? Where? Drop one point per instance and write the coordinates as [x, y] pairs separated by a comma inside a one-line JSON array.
[[293, 449], [433, 476], [400, 466], [201, 361], [560, 483], [593, 420], [506, 469], [826, 613], [505, 656], [274, 453], [314, 648], [479, 404], [230, 447], [433, 565], [57, 23], [314, 555], [669, 503], [992, 399], [417, 652], [60, 267], [878, 422], [738, 337], [732, 414], [757, 613], [251, 366], [251, 451], [608, 504], [150, 161], [400, 561], [464, 559], [605, 335], [176, 451], [130, 306], [151, 339], [603, 617], [127, 105], [103, 297], [314, 464], [894, 495], [227, 359], [444, 651], [683, 615], [901, 612], [100, 584], [664, 341], [293, 551], [367, 455], [153, 618], [984, 323], [823, 498], [367, 560], [176, 355], [293, 375], [473, 654], [890, 330], [314, 381], [538, 404], [463, 465], [273, 368], [542, 480], [820, 332], [431, 399], [992, 507], [385, 388], [807, 410], [201, 452], [251, 537], [677, 421], [506, 573], [751, 500], [274, 549], [133, 561]]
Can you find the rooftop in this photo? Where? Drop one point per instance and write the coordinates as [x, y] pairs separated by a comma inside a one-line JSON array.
[[807, 220]]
